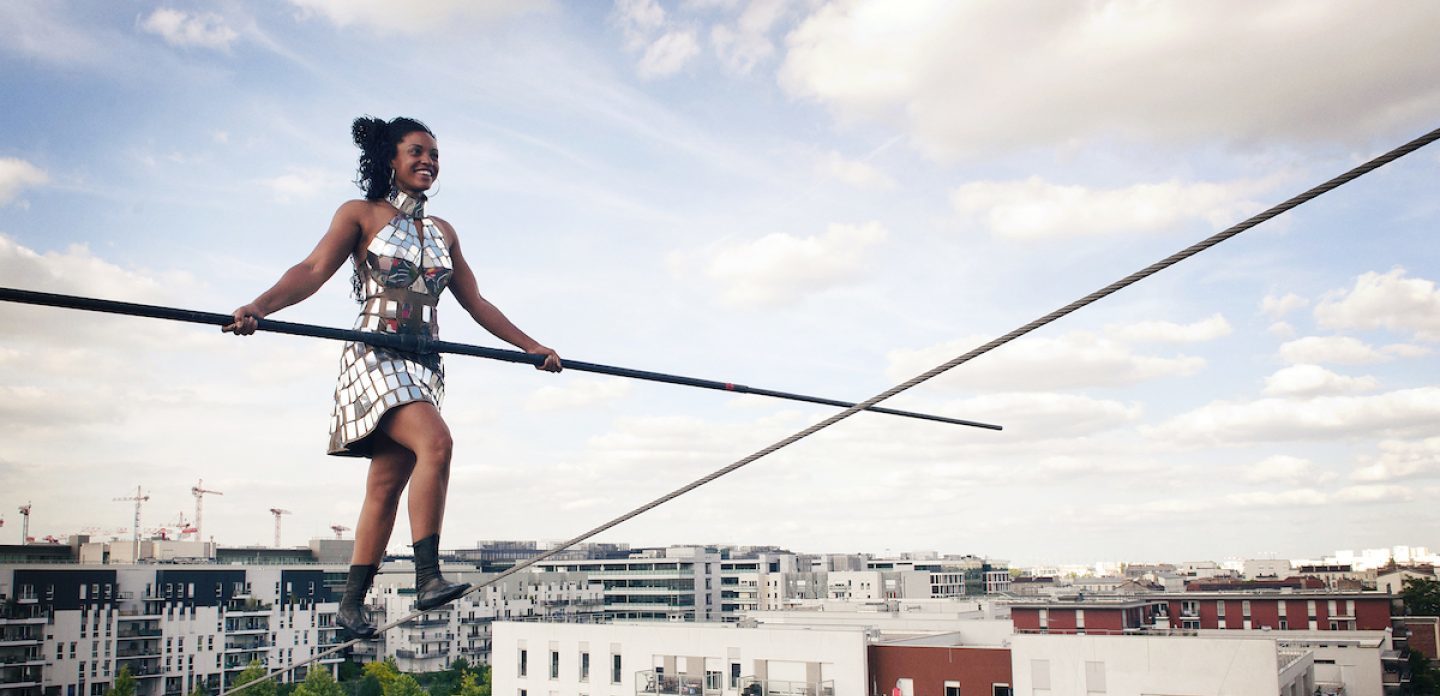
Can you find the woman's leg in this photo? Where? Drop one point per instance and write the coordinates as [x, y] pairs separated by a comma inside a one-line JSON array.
[[419, 429], [391, 465]]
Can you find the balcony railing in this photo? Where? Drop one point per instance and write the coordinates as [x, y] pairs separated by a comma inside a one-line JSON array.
[[648, 682], [750, 686]]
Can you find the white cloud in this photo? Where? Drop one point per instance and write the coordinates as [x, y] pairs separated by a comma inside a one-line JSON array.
[[668, 54], [1277, 307], [1207, 329], [1313, 380], [748, 43], [1041, 415], [1275, 419], [17, 174], [1311, 497], [665, 50], [1329, 349], [1075, 359], [381, 15], [1281, 329], [581, 393], [183, 29], [1279, 467], [781, 267], [1052, 74], [1345, 350], [298, 184], [1037, 209], [1399, 459], [1391, 301], [855, 173], [638, 20]]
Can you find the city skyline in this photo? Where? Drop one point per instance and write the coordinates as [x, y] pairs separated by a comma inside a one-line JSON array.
[[817, 197]]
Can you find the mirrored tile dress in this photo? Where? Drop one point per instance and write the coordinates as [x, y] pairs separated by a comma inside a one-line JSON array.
[[406, 268]]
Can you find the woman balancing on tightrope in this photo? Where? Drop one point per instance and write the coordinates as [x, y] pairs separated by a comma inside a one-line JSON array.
[[387, 402]]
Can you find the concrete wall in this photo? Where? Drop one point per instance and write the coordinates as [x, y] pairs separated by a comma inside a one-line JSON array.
[[1064, 665], [777, 653]]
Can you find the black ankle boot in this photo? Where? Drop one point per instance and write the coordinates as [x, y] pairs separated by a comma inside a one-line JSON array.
[[351, 615], [431, 588]]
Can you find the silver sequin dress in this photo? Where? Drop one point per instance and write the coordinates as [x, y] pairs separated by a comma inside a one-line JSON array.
[[405, 269]]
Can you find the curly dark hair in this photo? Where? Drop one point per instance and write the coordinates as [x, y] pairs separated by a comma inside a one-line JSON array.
[[377, 139]]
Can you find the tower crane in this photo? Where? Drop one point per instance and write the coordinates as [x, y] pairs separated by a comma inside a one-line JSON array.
[[139, 498], [200, 491], [277, 512], [25, 524], [338, 528]]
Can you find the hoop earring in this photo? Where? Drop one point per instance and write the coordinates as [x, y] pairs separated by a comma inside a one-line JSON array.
[[434, 191]]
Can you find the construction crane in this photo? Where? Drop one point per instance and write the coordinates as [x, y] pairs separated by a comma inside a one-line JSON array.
[[139, 498], [200, 491], [277, 512], [25, 525], [338, 528]]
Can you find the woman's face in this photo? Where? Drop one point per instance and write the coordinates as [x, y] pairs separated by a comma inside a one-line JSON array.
[[417, 162]]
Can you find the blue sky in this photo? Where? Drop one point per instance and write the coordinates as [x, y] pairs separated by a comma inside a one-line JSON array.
[[807, 196]]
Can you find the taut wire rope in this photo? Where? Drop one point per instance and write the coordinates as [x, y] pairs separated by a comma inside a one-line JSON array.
[[1106, 291]]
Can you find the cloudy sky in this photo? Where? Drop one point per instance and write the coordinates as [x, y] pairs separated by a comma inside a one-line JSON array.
[[822, 197]]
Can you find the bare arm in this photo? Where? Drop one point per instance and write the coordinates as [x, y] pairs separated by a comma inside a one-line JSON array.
[[304, 278], [488, 316]]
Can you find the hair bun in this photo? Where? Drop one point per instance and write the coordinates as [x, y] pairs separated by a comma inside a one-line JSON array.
[[367, 131]]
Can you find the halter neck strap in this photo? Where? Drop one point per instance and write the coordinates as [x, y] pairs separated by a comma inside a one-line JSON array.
[[408, 205]]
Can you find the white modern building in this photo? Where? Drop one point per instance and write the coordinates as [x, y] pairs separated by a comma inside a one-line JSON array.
[[659, 659], [73, 627], [1080, 665], [680, 583], [432, 641]]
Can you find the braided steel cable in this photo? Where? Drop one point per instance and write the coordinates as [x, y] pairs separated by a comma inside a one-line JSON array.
[[1102, 293]]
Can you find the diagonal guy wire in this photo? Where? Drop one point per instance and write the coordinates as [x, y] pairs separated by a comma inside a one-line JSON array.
[[1102, 293]]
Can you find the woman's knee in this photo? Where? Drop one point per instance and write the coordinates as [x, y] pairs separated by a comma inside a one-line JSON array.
[[437, 448]]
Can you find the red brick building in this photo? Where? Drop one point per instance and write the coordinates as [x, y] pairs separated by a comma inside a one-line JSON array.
[[1296, 611], [939, 670], [1100, 615]]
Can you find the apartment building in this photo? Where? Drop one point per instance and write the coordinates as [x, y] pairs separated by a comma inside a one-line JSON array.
[[68, 629], [652, 659]]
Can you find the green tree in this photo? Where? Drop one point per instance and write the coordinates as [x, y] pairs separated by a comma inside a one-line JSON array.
[[199, 690], [384, 672], [404, 685], [318, 682], [1422, 597], [1424, 677], [368, 685], [471, 684], [124, 683], [252, 673]]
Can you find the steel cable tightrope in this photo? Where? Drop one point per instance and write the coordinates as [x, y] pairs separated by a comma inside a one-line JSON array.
[[1106, 291]]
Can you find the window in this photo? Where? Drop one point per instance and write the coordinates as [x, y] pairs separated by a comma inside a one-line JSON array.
[[713, 680], [554, 664], [615, 669], [584, 666], [1000, 690], [952, 688], [1220, 608], [1284, 624], [1044, 618], [1080, 619], [1094, 677], [524, 664], [734, 675], [1040, 674]]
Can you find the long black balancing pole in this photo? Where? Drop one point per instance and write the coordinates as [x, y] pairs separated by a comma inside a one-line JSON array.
[[421, 344]]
